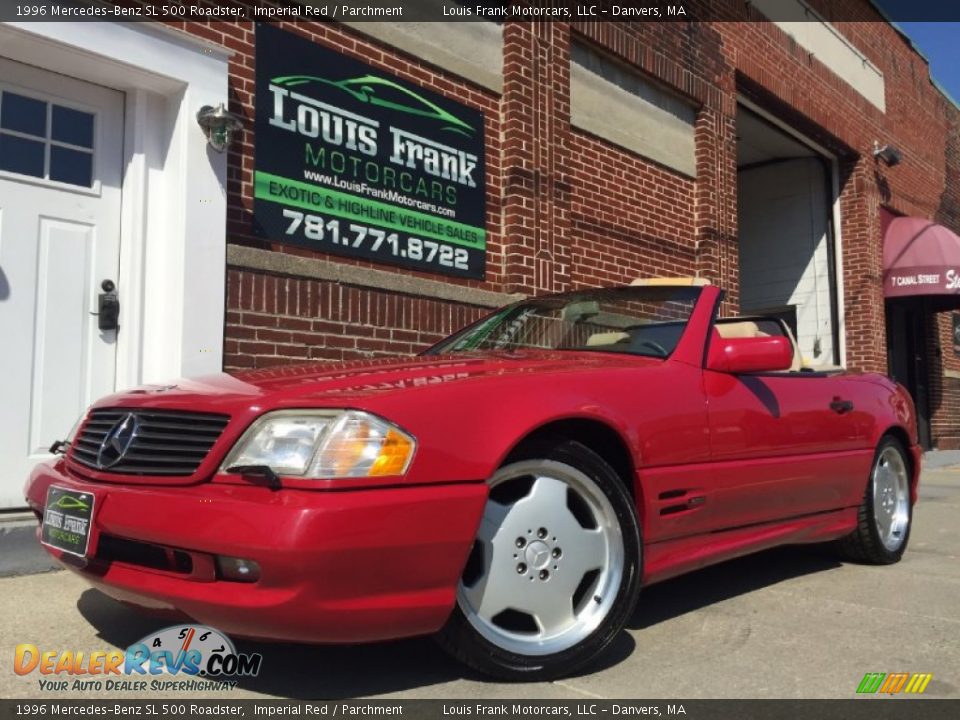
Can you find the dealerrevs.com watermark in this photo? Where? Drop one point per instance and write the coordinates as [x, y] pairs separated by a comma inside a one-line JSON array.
[[179, 658]]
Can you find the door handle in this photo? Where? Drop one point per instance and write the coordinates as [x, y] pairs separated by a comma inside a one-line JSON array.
[[841, 406], [108, 307]]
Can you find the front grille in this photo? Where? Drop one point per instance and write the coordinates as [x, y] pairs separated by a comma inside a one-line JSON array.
[[167, 442]]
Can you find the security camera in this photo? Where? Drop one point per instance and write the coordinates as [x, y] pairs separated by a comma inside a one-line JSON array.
[[888, 153]]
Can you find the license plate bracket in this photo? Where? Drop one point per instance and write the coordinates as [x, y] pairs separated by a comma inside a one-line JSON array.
[[68, 520]]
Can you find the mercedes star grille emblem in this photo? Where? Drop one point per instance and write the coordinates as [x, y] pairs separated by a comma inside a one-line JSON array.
[[117, 441]]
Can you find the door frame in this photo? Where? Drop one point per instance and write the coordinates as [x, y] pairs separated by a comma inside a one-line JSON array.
[[917, 316], [173, 206], [835, 239]]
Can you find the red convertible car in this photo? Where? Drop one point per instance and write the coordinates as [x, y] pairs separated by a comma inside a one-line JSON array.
[[510, 490]]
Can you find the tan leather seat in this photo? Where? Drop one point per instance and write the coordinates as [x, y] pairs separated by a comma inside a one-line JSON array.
[[740, 329], [606, 338]]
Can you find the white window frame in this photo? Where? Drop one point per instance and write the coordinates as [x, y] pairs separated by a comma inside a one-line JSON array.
[[49, 143]]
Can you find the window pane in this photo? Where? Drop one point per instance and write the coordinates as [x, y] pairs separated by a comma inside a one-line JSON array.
[[71, 166], [23, 114], [72, 126], [20, 155]]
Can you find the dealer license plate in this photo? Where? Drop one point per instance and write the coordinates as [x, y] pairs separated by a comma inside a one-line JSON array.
[[66, 520]]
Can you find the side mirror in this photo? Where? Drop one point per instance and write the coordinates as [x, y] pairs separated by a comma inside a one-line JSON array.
[[751, 354]]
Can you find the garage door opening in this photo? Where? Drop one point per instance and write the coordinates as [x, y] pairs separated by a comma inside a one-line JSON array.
[[786, 245]]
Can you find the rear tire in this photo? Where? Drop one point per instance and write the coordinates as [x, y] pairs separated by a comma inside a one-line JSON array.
[[555, 571], [886, 513]]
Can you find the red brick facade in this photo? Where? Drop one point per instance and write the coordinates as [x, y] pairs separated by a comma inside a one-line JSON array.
[[274, 320], [566, 209]]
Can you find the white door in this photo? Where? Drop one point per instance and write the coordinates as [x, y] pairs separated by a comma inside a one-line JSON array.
[[785, 253], [61, 151]]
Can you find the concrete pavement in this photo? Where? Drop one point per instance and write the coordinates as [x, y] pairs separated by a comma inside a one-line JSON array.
[[786, 623], [20, 553]]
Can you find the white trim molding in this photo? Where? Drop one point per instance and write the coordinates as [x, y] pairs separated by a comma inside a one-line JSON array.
[[173, 215]]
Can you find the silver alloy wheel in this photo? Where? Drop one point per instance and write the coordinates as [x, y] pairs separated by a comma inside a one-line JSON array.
[[551, 559], [891, 498]]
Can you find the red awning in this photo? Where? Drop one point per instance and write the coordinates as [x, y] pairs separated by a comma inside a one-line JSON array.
[[920, 258]]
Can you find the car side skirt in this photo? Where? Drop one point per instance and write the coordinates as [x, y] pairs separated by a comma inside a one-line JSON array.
[[670, 558]]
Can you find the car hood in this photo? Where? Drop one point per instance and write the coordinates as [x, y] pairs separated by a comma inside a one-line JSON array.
[[346, 384]]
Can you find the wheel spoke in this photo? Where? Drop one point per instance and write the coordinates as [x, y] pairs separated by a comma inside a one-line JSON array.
[[491, 594], [883, 523], [554, 613], [585, 551], [493, 516], [550, 496]]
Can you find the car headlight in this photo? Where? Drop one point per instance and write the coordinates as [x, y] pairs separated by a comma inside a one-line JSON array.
[[323, 444]]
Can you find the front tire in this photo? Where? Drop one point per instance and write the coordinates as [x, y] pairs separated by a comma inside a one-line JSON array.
[[886, 513], [555, 570]]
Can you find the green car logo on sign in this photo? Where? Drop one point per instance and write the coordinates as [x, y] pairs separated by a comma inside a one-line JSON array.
[[365, 88], [68, 502]]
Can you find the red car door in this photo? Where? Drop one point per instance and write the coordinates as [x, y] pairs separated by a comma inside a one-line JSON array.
[[784, 444]]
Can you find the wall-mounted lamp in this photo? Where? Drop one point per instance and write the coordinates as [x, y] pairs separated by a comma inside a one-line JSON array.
[[219, 125], [888, 153]]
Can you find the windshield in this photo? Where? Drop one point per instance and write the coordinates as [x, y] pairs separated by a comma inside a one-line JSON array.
[[633, 320]]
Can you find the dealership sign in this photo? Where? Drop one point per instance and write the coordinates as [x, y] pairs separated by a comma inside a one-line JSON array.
[[352, 161], [932, 280]]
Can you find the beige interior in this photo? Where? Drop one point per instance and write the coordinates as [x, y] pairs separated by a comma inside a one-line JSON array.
[[734, 329], [606, 338], [671, 281], [740, 329]]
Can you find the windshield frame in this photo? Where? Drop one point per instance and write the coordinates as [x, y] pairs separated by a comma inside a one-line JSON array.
[[690, 293]]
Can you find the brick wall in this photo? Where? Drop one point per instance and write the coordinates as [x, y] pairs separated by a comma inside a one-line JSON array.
[[275, 320], [628, 218], [566, 209]]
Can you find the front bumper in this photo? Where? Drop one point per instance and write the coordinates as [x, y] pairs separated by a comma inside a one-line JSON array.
[[335, 566]]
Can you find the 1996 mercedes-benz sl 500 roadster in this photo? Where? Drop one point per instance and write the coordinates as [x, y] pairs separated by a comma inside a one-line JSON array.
[[510, 490]]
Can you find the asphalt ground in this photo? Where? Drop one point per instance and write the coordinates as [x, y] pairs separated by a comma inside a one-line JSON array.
[[788, 623]]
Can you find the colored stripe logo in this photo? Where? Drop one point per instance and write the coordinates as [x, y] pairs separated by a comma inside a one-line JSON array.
[[893, 683]]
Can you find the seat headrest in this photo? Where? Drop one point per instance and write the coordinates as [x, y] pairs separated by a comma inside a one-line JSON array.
[[740, 329], [606, 338]]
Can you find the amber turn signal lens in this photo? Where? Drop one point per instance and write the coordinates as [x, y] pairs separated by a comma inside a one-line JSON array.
[[393, 456], [362, 445]]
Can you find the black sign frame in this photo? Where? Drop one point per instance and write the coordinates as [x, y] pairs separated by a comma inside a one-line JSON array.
[[353, 161]]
